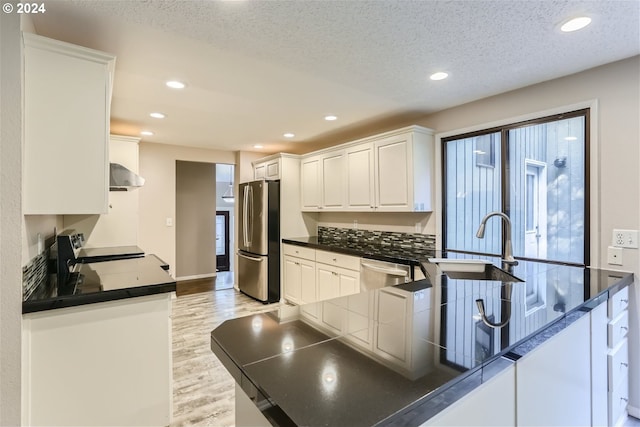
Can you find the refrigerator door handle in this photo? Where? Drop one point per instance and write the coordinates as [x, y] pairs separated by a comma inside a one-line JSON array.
[[245, 222], [250, 216], [250, 257]]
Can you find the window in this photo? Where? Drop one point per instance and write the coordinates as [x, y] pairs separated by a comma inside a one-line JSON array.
[[536, 173]]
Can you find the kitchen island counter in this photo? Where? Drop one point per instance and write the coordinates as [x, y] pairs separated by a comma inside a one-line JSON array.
[[401, 355]]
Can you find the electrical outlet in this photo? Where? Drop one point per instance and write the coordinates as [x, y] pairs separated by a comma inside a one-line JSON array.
[[614, 255], [355, 224], [625, 238]]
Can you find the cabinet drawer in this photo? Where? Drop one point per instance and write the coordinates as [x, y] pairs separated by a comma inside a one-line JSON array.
[[618, 364], [299, 251], [618, 400], [617, 328], [340, 260], [618, 302]]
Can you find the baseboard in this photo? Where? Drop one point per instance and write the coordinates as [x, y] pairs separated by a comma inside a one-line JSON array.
[[633, 411], [197, 276]]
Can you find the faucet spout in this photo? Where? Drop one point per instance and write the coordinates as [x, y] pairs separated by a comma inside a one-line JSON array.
[[508, 261]]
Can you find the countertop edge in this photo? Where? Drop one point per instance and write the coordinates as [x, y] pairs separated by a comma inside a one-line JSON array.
[[96, 297]]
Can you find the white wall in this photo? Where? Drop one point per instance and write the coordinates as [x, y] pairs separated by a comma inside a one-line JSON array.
[[120, 226], [158, 196], [10, 218], [195, 221]]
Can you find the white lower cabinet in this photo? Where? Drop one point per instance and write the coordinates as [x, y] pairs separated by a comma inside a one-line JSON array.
[[553, 385], [311, 275], [299, 280], [99, 364], [402, 329], [618, 357], [334, 282]]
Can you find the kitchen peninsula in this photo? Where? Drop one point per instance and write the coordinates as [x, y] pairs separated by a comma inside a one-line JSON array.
[[418, 353], [102, 339]]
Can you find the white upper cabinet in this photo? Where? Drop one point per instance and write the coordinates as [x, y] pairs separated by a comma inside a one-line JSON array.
[[311, 179], [390, 172], [269, 169], [67, 96], [332, 179], [360, 182]]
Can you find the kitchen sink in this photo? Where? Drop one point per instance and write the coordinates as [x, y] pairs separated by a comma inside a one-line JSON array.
[[473, 269], [491, 272]]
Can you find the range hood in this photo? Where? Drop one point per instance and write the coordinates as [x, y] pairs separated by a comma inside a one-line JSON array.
[[123, 179]]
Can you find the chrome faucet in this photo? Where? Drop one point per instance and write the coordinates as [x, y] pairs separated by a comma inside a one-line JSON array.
[[508, 261]]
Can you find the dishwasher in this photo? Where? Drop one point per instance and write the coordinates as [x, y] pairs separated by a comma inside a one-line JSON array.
[[378, 274]]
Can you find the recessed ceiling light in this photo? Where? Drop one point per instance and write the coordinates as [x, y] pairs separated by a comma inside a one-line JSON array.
[[157, 115], [575, 24], [571, 138], [258, 146], [175, 84], [439, 76], [330, 118], [289, 135], [146, 133]]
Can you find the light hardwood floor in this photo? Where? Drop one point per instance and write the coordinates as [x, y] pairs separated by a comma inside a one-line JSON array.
[[203, 391]]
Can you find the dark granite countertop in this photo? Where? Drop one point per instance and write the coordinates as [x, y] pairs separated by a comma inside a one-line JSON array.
[[329, 363], [103, 281], [400, 254], [105, 253]]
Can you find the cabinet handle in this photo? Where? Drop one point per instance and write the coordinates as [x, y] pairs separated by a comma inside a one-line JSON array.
[[624, 301], [624, 328], [334, 273], [625, 364], [335, 260], [625, 399]]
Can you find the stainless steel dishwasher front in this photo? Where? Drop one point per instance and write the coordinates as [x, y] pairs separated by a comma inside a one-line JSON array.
[[378, 274]]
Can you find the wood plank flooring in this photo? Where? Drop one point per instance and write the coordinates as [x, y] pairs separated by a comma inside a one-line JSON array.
[[203, 390]]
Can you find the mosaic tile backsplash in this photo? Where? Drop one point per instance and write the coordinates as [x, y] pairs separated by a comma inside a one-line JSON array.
[[34, 274], [383, 238]]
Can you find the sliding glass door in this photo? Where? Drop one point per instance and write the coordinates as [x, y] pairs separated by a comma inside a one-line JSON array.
[[536, 173]]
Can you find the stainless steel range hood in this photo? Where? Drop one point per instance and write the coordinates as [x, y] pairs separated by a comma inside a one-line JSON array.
[[123, 179]]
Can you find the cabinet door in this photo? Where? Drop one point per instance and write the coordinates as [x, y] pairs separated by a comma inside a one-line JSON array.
[[394, 185], [311, 189], [292, 279], [273, 169], [349, 282], [360, 178], [67, 91], [599, 365], [359, 319], [307, 282], [333, 169], [260, 171], [543, 399], [328, 282], [391, 331]]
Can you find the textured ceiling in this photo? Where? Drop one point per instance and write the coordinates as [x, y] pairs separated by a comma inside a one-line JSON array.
[[256, 69]]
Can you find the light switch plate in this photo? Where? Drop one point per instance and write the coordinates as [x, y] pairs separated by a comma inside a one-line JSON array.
[[614, 255], [169, 222], [625, 238]]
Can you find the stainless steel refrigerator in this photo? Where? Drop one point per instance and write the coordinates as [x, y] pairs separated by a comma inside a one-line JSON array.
[[259, 240]]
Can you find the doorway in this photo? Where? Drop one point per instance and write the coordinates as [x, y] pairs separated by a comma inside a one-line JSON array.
[[222, 241], [225, 207]]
